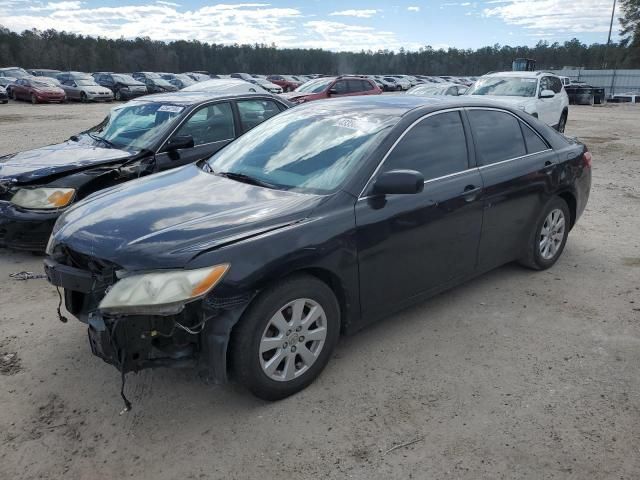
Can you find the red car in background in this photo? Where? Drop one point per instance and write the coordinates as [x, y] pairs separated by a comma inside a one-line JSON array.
[[288, 82], [330, 87], [36, 90]]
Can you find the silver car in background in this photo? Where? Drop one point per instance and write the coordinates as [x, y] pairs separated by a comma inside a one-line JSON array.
[[86, 90], [436, 89]]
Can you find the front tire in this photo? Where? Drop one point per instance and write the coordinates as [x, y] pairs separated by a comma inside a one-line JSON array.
[[285, 338], [549, 236], [83, 97], [562, 124], [34, 99], [118, 96]]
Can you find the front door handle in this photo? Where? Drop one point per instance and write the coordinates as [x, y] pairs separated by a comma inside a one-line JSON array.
[[471, 192]]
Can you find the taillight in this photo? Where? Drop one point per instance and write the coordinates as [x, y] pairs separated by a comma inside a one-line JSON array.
[[586, 159]]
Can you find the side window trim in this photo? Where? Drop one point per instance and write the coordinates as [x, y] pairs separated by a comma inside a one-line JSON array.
[[399, 139], [518, 119]]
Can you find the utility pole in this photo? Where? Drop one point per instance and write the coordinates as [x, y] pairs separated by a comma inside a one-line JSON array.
[[604, 57]]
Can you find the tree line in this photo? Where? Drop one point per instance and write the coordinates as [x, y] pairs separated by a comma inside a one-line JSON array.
[[68, 51]]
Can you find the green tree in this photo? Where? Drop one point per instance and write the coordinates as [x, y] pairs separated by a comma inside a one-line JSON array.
[[630, 32]]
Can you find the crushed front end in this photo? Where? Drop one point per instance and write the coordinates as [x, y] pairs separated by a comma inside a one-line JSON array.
[[191, 334]]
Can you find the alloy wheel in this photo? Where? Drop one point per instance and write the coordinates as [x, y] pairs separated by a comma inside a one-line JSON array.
[[552, 234], [293, 339]]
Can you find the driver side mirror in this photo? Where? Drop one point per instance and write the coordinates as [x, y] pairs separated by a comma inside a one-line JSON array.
[[547, 94], [178, 142], [333, 91], [399, 182]]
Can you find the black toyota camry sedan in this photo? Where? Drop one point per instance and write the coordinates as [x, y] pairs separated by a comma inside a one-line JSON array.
[[324, 218], [143, 136]]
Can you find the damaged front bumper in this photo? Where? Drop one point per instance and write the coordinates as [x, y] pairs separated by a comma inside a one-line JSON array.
[[25, 230], [196, 337]]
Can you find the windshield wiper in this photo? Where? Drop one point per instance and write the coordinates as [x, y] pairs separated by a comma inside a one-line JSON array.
[[242, 177], [101, 139]]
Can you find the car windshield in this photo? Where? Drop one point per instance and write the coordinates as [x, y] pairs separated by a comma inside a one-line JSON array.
[[504, 87], [314, 86], [161, 82], [85, 82], [427, 90], [42, 83], [309, 150], [126, 79], [137, 125], [15, 73], [185, 79]]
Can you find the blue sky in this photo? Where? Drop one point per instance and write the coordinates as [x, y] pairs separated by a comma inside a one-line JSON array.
[[331, 24]]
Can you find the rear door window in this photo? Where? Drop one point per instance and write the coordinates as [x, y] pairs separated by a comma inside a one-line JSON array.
[[435, 147], [254, 112], [497, 136]]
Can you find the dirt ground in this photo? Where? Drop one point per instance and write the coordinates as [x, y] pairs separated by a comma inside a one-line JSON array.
[[515, 375]]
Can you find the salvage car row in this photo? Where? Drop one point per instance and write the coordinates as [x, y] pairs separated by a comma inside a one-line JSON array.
[[46, 85]]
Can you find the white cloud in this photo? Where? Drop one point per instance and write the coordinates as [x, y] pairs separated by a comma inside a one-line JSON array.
[[51, 6], [354, 13], [558, 16], [413, 9], [245, 23], [221, 23], [342, 37]]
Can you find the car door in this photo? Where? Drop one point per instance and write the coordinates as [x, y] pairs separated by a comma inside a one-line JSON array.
[[416, 244], [211, 126], [516, 165]]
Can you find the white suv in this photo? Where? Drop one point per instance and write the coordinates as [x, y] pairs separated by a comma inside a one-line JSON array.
[[540, 94]]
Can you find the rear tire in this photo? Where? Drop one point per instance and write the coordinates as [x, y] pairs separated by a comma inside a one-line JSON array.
[[548, 237], [269, 352]]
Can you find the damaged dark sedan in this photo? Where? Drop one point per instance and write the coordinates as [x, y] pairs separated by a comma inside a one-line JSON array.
[[317, 222], [144, 136]]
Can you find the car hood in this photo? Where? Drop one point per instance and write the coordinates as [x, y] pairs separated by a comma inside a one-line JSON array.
[[63, 157], [293, 96], [165, 220]]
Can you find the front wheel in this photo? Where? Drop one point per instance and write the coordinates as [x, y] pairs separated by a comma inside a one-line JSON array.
[[285, 338], [563, 122], [118, 96], [34, 99], [549, 236], [83, 97]]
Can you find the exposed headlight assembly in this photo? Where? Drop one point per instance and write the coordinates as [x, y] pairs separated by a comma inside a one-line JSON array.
[[43, 198], [161, 293]]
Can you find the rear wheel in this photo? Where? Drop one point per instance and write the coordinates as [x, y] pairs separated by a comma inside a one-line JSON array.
[[285, 338], [548, 238]]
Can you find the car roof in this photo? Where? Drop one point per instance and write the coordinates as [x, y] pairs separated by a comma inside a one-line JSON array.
[[402, 104], [518, 74], [193, 98]]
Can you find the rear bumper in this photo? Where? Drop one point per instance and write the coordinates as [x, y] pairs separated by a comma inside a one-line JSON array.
[[23, 230]]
